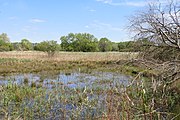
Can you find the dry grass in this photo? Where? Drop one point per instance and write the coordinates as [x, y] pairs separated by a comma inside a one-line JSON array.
[[70, 56], [33, 61]]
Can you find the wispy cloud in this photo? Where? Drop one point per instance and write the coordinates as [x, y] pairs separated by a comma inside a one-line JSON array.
[[140, 3], [13, 18], [35, 20], [87, 26], [92, 10], [105, 1], [112, 31], [28, 29], [100, 26], [136, 4], [124, 3]]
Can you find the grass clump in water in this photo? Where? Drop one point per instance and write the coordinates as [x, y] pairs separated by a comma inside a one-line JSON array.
[[26, 80]]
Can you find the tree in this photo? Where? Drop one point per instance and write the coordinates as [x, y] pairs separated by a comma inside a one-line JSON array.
[[48, 46], [122, 46], [128, 46], [105, 45], [4, 38], [79, 42], [160, 23], [66, 42], [115, 46], [5, 46], [26, 45], [17, 46], [85, 42]]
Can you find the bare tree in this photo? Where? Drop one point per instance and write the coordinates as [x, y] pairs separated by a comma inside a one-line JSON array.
[[159, 23]]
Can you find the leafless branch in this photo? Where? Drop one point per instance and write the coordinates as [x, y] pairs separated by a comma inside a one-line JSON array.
[[159, 23]]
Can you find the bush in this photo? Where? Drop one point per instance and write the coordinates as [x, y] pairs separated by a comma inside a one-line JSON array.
[[161, 53], [47, 46], [5, 46]]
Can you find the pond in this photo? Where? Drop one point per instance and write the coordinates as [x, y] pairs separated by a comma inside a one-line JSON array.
[[70, 78], [68, 94]]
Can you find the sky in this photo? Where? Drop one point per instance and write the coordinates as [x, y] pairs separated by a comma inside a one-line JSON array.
[[39, 20]]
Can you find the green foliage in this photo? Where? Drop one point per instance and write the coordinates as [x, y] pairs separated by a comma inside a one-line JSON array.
[[66, 42], [134, 46], [115, 46], [17, 46], [5, 46], [105, 45], [47, 46], [126, 46], [26, 45], [80, 42]]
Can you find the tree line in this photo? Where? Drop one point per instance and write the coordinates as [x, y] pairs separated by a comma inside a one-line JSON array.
[[73, 42]]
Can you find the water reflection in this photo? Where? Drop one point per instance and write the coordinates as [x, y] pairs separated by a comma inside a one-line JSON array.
[[71, 79]]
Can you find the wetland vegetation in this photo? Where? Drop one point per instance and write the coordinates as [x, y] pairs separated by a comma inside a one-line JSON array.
[[115, 86]]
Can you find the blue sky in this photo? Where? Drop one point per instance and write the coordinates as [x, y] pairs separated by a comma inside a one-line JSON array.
[[39, 20]]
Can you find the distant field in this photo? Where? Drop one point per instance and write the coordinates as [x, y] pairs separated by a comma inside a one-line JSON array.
[[33, 61], [70, 56]]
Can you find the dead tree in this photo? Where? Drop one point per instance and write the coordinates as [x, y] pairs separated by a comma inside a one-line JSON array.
[[159, 23]]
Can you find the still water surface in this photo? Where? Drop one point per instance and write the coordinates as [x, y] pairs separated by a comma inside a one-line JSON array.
[[72, 79]]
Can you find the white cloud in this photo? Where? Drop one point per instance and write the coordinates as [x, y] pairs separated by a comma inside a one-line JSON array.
[[136, 4], [140, 3], [26, 29], [29, 29], [124, 3], [37, 20], [87, 26], [105, 1], [114, 32], [92, 10], [100, 26], [13, 18]]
